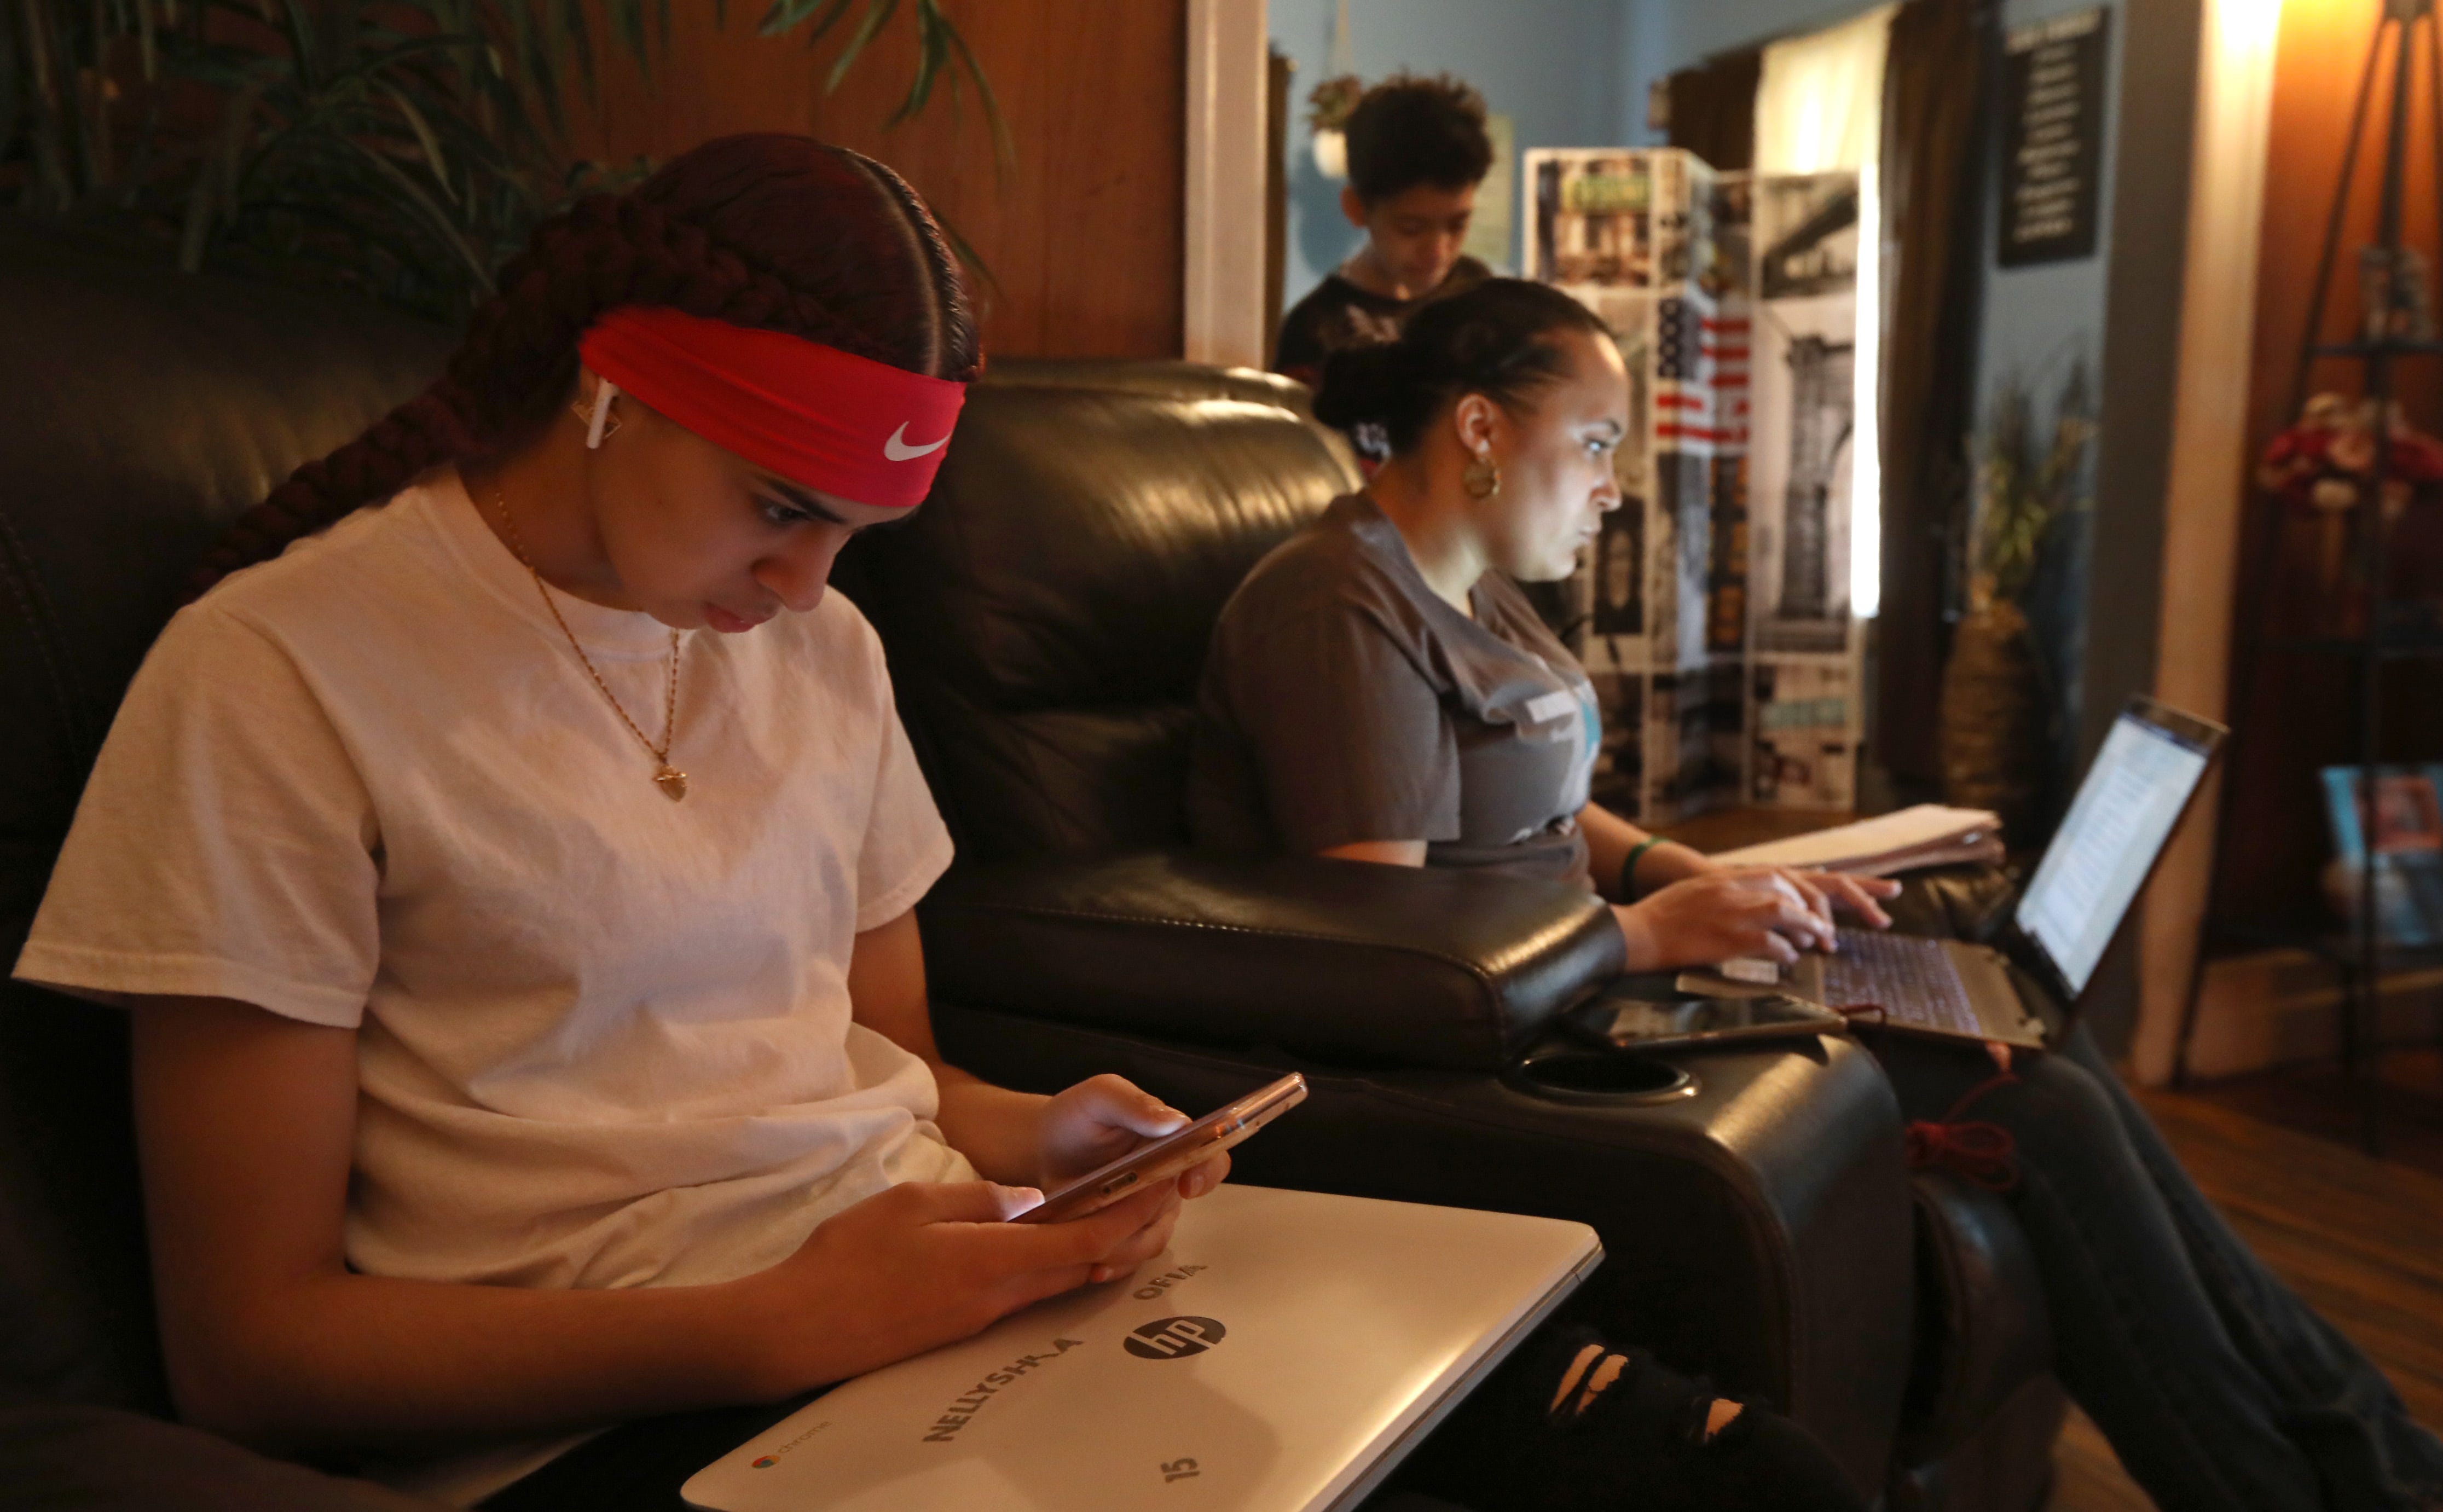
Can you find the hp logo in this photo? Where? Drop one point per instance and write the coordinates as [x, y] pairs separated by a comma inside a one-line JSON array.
[[1174, 1338]]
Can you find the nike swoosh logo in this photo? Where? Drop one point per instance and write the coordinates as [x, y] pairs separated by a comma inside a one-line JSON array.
[[898, 451]]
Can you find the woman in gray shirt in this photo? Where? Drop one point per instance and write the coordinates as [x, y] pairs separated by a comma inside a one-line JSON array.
[[1379, 690]]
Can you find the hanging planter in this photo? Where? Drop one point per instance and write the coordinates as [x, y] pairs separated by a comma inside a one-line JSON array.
[[1328, 108]]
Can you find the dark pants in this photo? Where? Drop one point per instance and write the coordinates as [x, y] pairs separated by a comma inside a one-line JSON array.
[[2218, 1388]]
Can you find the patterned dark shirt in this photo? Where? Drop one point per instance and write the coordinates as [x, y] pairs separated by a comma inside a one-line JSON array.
[[1338, 314]]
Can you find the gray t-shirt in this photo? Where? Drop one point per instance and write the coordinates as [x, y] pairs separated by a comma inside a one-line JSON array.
[[1343, 701]]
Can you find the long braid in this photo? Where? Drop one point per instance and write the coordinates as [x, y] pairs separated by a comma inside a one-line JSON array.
[[766, 231]]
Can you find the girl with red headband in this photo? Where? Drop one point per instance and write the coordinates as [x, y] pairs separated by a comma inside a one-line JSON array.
[[510, 863]]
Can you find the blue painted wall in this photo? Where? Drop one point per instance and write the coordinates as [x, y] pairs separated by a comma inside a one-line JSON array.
[[2037, 319], [1554, 66]]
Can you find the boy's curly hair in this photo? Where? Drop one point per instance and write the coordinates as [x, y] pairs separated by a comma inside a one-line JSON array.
[[1408, 131]]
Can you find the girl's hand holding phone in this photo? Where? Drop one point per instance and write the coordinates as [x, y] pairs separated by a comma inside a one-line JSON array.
[[917, 1266], [924, 1264], [1102, 1118], [1097, 1121]]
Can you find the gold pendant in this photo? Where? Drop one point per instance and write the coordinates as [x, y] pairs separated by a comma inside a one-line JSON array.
[[672, 783]]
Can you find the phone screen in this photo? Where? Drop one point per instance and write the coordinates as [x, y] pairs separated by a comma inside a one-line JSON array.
[[1718, 1018]]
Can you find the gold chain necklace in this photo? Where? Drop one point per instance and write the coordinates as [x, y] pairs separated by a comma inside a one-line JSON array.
[[670, 778]]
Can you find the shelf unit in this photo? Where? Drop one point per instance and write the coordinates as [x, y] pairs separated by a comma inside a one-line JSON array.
[[2359, 954]]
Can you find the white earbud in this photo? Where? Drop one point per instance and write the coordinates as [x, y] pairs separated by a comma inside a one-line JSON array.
[[604, 391]]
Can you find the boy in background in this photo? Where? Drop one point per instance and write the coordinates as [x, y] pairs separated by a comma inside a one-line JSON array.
[[1417, 150]]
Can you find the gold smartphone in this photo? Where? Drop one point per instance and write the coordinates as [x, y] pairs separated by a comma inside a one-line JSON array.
[[1162, 1158]]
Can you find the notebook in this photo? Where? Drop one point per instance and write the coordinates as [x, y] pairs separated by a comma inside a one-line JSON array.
[[1886, 844], [1285, 1353]]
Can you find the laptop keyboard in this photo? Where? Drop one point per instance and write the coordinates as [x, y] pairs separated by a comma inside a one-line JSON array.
[[1912, 979]]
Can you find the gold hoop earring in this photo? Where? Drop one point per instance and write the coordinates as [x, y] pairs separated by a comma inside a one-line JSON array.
[[1482, 478]]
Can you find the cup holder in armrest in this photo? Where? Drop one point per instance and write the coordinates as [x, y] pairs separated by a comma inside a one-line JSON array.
[[1608, 1076]]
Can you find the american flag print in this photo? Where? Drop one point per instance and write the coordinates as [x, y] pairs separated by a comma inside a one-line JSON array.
[[1700, 377]]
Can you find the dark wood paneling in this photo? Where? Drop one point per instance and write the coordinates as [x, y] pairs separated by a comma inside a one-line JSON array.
[[1084, 231]]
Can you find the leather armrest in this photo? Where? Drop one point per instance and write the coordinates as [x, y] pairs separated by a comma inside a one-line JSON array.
[[1982, 1328], [1409, 965]]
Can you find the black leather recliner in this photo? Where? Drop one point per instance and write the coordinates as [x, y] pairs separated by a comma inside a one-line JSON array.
[[141, 412], [1046, 617], [1045, 614]]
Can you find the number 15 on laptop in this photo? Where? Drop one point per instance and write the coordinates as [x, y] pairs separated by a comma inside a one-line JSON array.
[[1161, 1159]]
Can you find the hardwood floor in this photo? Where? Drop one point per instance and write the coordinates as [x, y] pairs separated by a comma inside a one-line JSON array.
[[2403, 1092], [2361, 1239]]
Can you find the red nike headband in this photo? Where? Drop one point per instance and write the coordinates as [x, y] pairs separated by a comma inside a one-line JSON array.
[[838, 423]]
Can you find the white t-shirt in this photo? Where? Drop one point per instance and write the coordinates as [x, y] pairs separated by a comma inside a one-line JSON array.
[[603, 1038]]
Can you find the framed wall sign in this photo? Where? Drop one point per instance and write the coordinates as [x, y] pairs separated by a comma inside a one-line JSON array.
[[2052, 138]]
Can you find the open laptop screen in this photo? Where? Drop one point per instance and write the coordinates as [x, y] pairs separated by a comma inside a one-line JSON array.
[[2107, 844]]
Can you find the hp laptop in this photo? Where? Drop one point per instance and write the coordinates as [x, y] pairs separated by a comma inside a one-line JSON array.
[[2118, 824], [1285, 1353]]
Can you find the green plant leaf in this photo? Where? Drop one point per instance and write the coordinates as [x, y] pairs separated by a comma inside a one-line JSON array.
[[424, 139], [300, 29], [210, 193], [401, 146], [2028, 480], [537, 46], [1004, 149], [933, 50], [403, 250], [436, 219], [627, 23], [877, 14], [785, 15]]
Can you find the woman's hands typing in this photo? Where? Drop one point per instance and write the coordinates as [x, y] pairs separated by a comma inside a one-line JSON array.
[[1702, 920], [1825, 891], [1765, 912]]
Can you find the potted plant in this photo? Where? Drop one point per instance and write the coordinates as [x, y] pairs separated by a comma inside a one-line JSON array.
[[2000, 686], [404, 148]]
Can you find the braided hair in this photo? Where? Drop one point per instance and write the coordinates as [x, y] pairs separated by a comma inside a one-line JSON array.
[[765, 229]]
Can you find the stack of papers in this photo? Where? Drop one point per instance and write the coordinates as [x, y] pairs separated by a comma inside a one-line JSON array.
[[1927, 835]]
